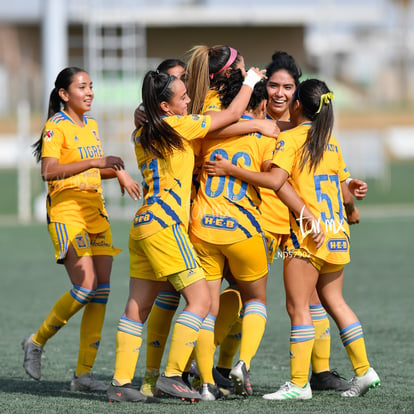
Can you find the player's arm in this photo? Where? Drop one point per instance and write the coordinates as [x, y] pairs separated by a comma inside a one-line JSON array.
[[52, 169], [272, 179], [263, 126], [352, 212], [126, 182], [291, 199]]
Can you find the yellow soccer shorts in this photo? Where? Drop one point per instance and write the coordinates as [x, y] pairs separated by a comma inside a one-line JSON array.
[[321, 265], [166, 255], [247, 259], [273, 241], [84, 243]]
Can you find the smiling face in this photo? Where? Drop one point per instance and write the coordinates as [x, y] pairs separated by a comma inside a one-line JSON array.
[[179, 102], [79, 96], [280, 88]]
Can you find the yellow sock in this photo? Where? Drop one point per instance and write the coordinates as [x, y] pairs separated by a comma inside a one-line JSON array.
[[158, 328], [230, 307], [253, 326], [184, 338], [204, 350], [128, 344], [321, 351], [190, 360], [91, 328], [230, 345], [302, 338], [68, 304], [353, 339]]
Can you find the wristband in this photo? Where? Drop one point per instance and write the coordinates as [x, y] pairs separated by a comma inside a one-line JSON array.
[[348, 180], [251, 78]]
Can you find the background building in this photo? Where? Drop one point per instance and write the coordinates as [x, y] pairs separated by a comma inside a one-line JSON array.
[[364, 50]]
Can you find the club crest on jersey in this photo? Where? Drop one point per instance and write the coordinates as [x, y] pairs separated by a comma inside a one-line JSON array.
[[81, 242], [195, 117], [280, 145], [95, 134], [48, 135]]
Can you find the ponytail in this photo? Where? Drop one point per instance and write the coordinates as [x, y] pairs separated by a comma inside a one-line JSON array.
[[157, 136], [198, 78], [315, 98]]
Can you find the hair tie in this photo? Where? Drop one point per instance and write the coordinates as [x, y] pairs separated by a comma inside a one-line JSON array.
[[231, 59], [164, 89], [326, 98]]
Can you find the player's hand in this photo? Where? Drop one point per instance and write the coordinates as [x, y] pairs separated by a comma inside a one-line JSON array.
[[127, 183], [358, 188], [110, 161], [219, 167], [140, 118], [268, 127]]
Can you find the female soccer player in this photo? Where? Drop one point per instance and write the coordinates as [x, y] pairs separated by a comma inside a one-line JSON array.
[[225, 227], [73, 164], [159, 246], [311, 158], [167, 300]]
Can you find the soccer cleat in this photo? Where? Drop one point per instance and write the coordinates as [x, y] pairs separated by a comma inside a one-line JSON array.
[[211, 392], [87, 382], [241, 379], [329, 380], [148, 383], [119, 393], [361, 385], [289, 391], [32, 357], [176, 387]]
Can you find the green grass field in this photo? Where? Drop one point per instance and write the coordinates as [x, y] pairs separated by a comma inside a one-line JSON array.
[[379, 285]]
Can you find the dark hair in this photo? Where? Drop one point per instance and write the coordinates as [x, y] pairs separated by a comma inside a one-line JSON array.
[[63, 81], [309, 94], [157, 136], [170, 63], [284, 61], [232, 87], [218, 56]]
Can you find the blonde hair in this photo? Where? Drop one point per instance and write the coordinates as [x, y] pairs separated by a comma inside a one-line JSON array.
[[198, 77]]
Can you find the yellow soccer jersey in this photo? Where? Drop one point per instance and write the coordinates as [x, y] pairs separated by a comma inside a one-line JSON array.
[[226, 210], [275, 215], [75, 200], [320, 190], [212, 102], [167, 183]]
